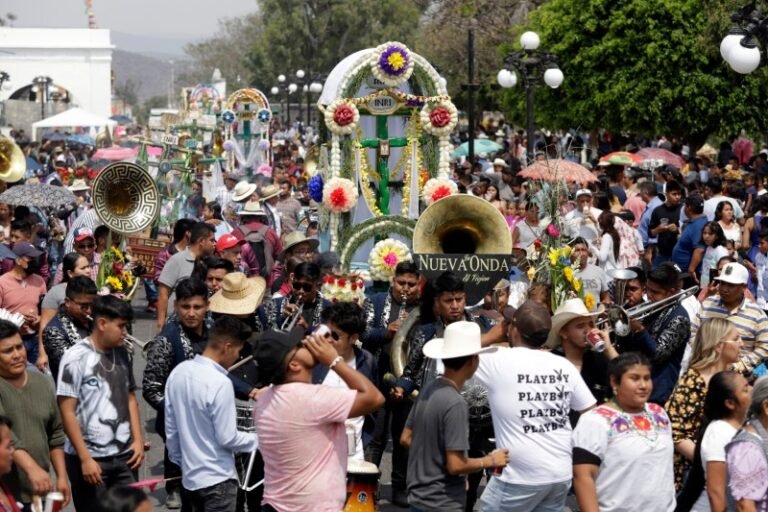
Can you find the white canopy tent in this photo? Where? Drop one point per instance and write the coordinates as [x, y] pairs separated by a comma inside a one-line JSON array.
[[70, 119]]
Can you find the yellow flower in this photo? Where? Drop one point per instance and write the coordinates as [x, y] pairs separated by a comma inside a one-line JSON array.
[[576, 285], [568, 273], [128, 278], [553, 255], [114, 283], [396, 60], [565, 251], [589, 301], [118, 254], [531, 273]]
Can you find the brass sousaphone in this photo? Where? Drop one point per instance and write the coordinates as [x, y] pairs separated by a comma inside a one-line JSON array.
[[125, 197], [458, 224], [13, 165]]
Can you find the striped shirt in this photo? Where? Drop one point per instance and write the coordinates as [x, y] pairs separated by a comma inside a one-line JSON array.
[[751, 323]]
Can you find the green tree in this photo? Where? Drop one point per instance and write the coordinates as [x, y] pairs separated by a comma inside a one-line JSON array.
[[645, 66]]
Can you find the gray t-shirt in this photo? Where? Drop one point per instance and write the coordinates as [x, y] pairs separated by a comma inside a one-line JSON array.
[[440, 423], [594, 279], [178, 267], [55, 297]]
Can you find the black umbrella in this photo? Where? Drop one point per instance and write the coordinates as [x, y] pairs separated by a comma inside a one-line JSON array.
[[41, 196]]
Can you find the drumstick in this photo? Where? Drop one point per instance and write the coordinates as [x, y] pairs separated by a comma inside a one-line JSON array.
[[240, 363]]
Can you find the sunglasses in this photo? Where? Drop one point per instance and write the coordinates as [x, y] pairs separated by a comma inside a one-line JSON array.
[[307, 287], [86, 246]]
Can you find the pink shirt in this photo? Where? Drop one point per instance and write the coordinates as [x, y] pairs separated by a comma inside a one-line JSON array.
[[304, 444], [21, 296]]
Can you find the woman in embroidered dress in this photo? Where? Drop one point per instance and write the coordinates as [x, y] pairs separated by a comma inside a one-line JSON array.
[[746, 455], [528, 229], [715, 348], [622, 449]]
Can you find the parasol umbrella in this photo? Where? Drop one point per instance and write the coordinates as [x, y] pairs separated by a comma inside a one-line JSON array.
[[115, 153], [55, 136], [559, 170], [81, 138], [485, 146], [620, 158], [41, 196], [656, 157]]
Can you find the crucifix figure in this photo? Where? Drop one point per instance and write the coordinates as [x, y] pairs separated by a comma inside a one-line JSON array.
[[382, 143]]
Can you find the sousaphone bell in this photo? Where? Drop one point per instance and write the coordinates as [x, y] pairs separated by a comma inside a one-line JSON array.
[[13, 165], [125, 197]]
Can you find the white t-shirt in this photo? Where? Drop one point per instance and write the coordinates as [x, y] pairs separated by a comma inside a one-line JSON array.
[[711, 256], [580, 225], [718, 434], [635, 452], [356, 424], [531, 393]]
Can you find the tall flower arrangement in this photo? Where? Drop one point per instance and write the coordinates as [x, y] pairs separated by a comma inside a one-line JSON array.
[[115, 276]]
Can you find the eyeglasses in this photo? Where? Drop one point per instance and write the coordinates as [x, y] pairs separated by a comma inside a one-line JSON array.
[[336, 336], [307, 287], [82, 305], [85, 246]]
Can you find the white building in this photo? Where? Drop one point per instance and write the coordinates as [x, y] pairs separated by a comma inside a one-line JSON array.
[[78, 62]]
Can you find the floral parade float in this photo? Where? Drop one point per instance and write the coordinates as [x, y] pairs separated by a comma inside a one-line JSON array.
[[388, 119]]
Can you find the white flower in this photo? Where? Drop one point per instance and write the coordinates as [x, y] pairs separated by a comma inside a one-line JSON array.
[[385, 256], [402, 63], [339, 195], [438, 188], [445, 107], [349, 109]]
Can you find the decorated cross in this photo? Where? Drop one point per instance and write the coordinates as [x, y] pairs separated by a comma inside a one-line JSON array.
[[382, 143]]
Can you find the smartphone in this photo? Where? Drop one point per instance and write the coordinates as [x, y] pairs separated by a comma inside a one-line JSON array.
[[322, 331]]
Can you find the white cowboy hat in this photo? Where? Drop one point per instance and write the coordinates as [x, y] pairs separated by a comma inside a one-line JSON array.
[[243, 190], [460, 339], [252, 208], [500, 162], [238, 295], [567, 311]]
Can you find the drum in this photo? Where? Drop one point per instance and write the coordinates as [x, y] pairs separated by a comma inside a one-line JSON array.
[[362, 486]]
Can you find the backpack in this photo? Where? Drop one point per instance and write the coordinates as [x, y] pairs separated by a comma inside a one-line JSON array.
[[262, 248]]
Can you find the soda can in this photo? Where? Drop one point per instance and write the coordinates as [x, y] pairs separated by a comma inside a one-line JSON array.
[[595, 341], [54, 502]]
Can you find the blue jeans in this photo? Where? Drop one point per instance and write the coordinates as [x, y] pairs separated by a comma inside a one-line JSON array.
[[150, 288], [221, 497], [33, 349], [508, 497]]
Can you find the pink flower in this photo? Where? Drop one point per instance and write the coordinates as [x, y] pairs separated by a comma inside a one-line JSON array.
[[343, 115], [440, 117], [553, 231], [390, 259]]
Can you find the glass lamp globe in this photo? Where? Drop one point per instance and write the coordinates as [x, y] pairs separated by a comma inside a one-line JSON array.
[[292, 88], [274, 90], [506, 78], [727, 44], [281, 78], [300, 74], [529, 40], [553, 77], [316, 87]]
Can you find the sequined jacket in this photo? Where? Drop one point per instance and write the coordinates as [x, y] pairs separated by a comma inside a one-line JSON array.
[[271, 314], [61, 333]]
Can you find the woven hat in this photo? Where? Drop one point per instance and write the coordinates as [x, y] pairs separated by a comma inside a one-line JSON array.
[[567, 311], [269, 192], [243, 190], [253, 209], [500, 162], [238, 295], [295, 238]]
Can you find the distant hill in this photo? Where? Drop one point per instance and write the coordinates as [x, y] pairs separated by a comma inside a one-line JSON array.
[[150, 74]]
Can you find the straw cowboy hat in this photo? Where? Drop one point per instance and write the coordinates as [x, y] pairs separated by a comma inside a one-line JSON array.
[[295, 238], [78, 186], [500, 162], [460, 339], [238, 295], [252, 209], [269, 192], [567, 311], [243, 190]]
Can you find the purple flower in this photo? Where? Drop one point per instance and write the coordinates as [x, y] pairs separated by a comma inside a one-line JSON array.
[[394, 61], [315, 186]]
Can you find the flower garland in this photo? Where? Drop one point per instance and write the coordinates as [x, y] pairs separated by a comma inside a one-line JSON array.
[[379, 227], [438, 188], [439, 117], [392, 63], [339, 195], [365, 186], [385, 257], [342, 116]]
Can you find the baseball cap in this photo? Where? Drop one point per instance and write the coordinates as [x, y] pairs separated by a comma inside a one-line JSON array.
[[25, 249], [271, 350], [583, 192], [83, 233], [532, 321], [734, 273], [227, 241]]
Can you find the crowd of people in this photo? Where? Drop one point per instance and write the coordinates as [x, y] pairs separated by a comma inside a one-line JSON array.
[[264, 390]]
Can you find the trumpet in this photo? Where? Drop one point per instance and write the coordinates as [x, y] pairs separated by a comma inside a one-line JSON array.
[[290, 321], [403, 313], [618, 318]]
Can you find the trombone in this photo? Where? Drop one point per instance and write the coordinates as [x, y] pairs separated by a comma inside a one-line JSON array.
[[618, 318], [142, 345]]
